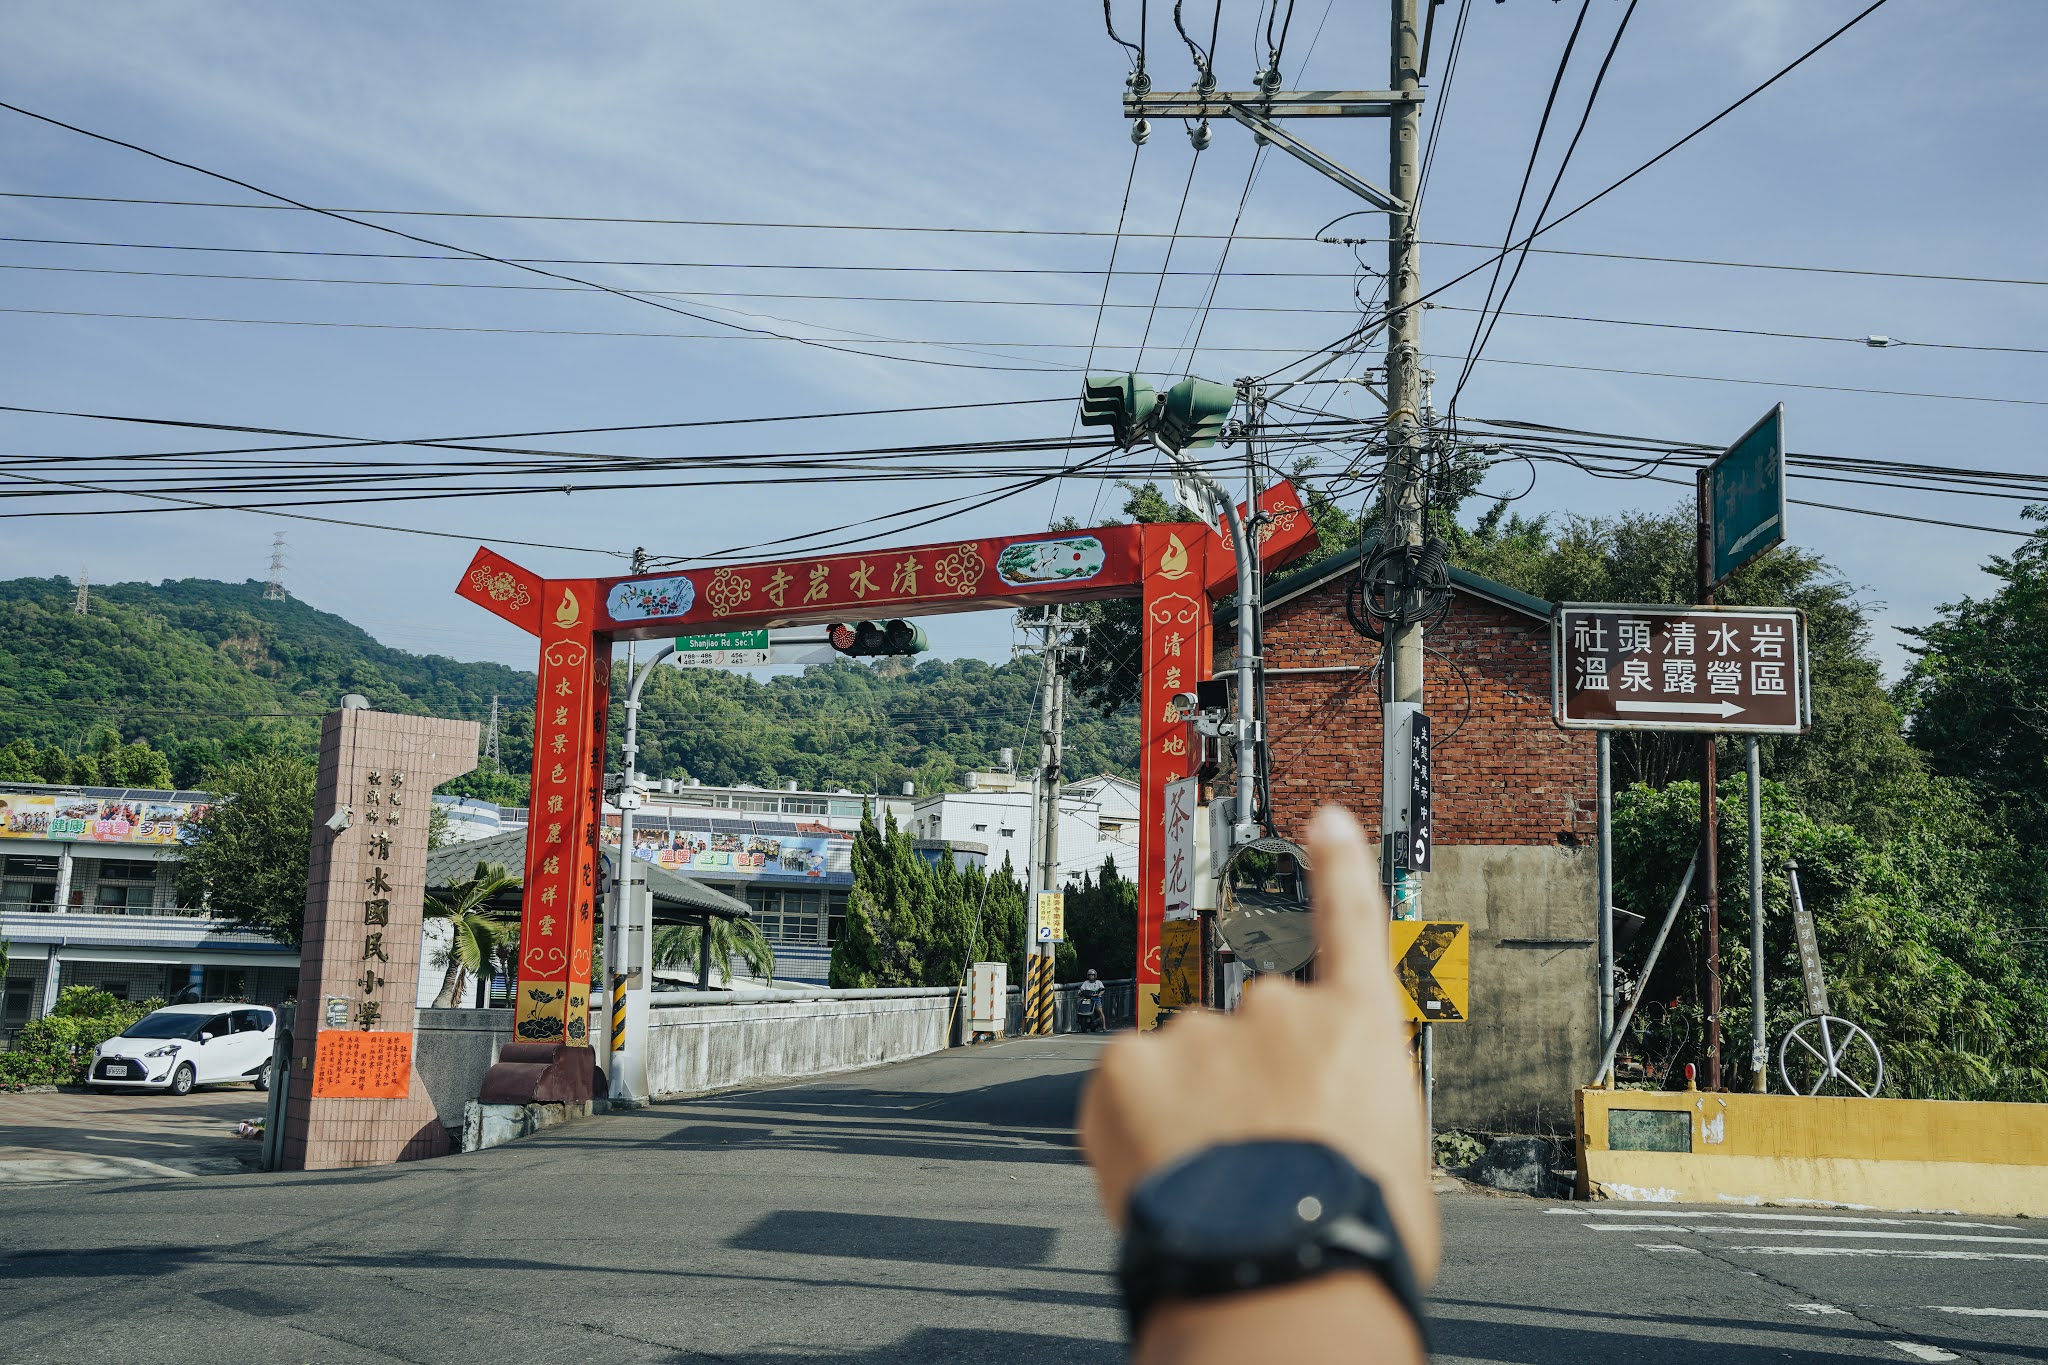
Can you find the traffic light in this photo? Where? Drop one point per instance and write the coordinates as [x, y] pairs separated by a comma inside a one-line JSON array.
[[865, 639], [1121, 402], [1193, 414]]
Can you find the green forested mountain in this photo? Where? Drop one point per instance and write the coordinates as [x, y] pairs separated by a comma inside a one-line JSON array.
[[207, 671]]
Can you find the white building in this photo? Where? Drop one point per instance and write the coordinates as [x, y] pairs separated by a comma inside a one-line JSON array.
[[88, 897], [1098, 821]]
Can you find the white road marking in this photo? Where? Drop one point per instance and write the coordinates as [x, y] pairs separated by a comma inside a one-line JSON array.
[[1776, 1217], [1914, 1254], [1921, 1351], [1815, 1310], [1858, 1233], [1994, 1312], [1666, 1246]]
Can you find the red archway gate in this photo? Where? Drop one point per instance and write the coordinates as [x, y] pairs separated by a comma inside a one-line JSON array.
[[1175, 569]]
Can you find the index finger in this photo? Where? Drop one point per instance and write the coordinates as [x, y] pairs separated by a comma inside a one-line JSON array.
[[1350, 913]]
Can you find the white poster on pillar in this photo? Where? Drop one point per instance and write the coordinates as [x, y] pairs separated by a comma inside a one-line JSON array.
[[1181, 813]]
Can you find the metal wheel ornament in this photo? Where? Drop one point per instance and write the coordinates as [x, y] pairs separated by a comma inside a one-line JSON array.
[[1825, 1051]]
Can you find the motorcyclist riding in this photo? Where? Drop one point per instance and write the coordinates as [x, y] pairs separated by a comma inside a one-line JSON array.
[[1091, 1003]]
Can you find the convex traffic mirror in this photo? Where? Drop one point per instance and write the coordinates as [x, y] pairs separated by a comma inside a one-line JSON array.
[[1265, 909]]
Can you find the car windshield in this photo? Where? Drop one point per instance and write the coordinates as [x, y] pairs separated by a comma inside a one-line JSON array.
[[164, 1024]]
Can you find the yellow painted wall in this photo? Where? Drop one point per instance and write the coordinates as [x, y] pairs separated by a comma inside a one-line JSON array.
[[1775, 1149]]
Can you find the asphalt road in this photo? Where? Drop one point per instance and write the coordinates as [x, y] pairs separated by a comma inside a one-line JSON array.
[[930, 1211]]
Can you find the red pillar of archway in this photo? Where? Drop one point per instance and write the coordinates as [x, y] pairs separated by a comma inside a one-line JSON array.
[[1175, 645]]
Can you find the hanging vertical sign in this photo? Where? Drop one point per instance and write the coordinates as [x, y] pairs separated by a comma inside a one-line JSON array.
[[1181, 813], [1421, 834]]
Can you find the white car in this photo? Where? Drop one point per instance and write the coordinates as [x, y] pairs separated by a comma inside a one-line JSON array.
[[181, 1046]]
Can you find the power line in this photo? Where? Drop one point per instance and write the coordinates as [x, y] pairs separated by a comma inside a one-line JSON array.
[[818, 343], [1108, 275], [1585, 204], [684, 265], [1172, 240], [1778, 383], [1564, 62], [1585, 115]]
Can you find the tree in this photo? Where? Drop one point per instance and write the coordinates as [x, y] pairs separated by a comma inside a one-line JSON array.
[[1977, 692], [913, 923], [1102, 926], [246, 859], [1852, 766], [474, 934], [1107, 674], [1917, 946], [680, 945]]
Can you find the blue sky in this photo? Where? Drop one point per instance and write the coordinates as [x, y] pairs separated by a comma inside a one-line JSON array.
[[1911, 144]]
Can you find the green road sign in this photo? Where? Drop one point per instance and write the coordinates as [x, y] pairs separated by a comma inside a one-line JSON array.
[[731, 639], [1746, 495]]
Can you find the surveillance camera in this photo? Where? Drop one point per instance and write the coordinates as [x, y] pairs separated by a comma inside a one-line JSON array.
[[1185, 701], [339, 821]]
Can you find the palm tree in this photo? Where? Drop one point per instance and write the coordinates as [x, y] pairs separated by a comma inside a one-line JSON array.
[[474, 933], [678, 945]]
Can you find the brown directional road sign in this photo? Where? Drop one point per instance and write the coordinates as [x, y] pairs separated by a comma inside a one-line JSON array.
[[1739, 670]]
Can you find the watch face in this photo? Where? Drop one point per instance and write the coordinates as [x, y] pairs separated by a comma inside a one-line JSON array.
[[1246, 1199]]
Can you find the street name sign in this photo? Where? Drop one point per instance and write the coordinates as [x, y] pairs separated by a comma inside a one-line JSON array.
[[753, 649], [1736, 670], [1746, 497]]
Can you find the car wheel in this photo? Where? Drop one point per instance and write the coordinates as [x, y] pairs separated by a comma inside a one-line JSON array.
[[262, 1078], [182, 1079]]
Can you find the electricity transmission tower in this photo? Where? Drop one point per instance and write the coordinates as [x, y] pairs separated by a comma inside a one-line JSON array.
[[81, 599], [491, 739], [273, 591]]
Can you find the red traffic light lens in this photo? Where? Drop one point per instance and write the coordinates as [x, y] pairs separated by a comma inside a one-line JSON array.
[[842, 637]]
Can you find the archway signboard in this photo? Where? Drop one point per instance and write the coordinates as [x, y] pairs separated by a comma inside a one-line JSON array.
[[1176, 570]]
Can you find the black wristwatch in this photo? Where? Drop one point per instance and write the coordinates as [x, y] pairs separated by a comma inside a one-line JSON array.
[[1251, 1215]]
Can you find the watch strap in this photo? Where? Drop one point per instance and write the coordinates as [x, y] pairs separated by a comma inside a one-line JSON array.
[[1360, 1238]]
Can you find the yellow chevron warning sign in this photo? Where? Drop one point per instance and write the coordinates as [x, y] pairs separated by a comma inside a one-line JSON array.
[[1433, 964]]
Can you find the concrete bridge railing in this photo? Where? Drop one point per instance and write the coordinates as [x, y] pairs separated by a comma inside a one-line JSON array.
[[715, 1040]]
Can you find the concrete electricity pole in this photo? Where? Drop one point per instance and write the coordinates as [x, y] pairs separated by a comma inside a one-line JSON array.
[[1405, 451], [1056, 642]]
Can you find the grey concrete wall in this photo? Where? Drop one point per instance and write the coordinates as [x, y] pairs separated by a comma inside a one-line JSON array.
[[699, 1045], [1532, 1036], [452, 1049]]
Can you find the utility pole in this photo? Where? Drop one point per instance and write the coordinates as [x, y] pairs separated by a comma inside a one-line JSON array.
[[81, 599], [1056, 642], [1710, 863], [1403, 492], [273, 591]]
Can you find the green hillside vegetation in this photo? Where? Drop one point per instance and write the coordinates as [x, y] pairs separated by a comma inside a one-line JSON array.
[[168, 683]]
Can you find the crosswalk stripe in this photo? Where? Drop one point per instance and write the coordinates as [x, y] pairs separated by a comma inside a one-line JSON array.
[[1994, 1312], [1902, 1253], [1825, 1232], [1731, 1214]]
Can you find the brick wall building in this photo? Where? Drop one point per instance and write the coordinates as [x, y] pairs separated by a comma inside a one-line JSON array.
[[1514, 814]]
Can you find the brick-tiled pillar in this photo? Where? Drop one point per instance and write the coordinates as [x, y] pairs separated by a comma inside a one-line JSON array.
[[354, 1099]]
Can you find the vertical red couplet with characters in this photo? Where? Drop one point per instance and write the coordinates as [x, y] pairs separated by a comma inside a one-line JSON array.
[[1175, 642], [561, 844]]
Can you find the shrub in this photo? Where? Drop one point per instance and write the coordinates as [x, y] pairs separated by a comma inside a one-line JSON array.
[[57, 1049]]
